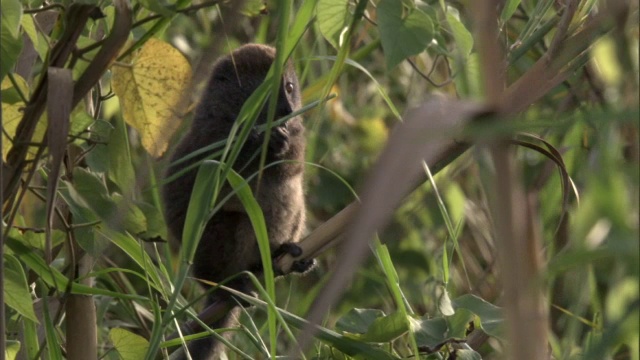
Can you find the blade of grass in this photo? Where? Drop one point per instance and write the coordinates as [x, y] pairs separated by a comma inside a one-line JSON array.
[[340, 342], [53, 350], [453, 233], [393, 283]]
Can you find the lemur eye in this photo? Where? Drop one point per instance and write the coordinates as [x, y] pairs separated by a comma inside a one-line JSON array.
[[288, 87]]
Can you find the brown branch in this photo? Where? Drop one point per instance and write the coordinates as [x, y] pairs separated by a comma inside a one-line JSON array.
[[492, 59], [107, 53], [77, 17], [569, 11], [547, 73]]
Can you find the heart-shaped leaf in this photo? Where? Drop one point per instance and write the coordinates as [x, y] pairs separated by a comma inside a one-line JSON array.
[[402, 36], [333, 19]]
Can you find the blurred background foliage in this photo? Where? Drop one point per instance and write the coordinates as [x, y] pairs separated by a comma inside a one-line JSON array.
[[401, 54]]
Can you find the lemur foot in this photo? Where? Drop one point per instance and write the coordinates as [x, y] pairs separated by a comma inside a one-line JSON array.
[[293, 249]]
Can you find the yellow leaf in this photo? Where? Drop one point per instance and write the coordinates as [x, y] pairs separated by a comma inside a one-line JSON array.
[[12, 112], [604, 55], [151, 92]]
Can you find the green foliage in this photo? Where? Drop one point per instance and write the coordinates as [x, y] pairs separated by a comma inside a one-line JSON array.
[[333, 19], [402, 36], [571, 73], [130, 346], [10, 35], [15, 289]]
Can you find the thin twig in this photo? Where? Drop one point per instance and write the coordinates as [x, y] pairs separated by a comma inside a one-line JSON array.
[[427, 76], [180, 11], [45, 8]]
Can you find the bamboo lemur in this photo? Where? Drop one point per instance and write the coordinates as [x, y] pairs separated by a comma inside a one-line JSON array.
[[228, 245]]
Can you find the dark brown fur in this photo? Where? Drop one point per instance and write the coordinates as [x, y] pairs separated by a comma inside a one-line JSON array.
[[228, 245]]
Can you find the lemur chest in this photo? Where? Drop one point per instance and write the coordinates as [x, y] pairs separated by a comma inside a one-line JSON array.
[[282, 203]]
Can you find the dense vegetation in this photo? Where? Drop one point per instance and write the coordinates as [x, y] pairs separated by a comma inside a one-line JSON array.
[[475, 163]]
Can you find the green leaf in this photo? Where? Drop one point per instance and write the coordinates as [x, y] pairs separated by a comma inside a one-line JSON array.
[[88, 191], [253, 8], [303, 18], [133, 218], [98, 158], [88, 198], [461, 35], [80, 121], [29, 27], [509, 9], [379, 87], [402, 37], [54, 278], [12, 349], [386, 328], [157, 6], [134, 250], [53, 352], [203, 197], [458, 322], [342, 343], [431, 332], [11, 95], [16, 290], [89, 241], [333, 20], [129, 345], [10, 48], [37, 239], [11, 14], [10, 39], [467, 355], [156, 226], [358, 320], [491, 318]]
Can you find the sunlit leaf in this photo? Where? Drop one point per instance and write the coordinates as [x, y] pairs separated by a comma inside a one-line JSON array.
[[151, 90], [333, 19], [12, 111], [129, 345], [604, 56], [463, 354], [253, 7], [29, 27], [12, 349], [462, 36]]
